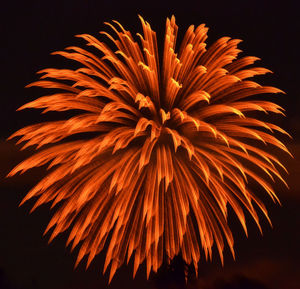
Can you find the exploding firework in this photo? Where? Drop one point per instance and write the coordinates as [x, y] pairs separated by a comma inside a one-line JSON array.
[[168, 147]]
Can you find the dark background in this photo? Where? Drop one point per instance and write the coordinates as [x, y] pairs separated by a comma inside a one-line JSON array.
[[31, 30]]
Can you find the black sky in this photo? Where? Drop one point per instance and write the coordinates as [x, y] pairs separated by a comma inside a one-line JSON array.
[[31, 30]]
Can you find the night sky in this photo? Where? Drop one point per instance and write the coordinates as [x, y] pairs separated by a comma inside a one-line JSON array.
[[31, 30]]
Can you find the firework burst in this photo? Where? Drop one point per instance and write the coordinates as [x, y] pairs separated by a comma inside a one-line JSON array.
[[168, 152]]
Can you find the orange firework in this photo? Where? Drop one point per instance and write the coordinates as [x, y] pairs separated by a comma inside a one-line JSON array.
[[168, 151]]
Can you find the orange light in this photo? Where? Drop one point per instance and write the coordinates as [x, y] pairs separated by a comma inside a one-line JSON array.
[[170, 152]]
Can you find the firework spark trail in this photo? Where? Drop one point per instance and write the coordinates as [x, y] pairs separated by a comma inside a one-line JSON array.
[[170, 152]]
